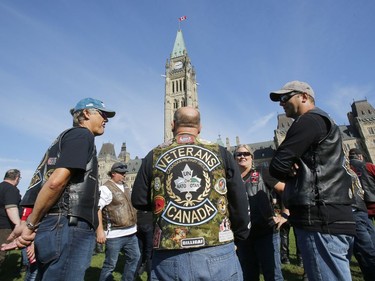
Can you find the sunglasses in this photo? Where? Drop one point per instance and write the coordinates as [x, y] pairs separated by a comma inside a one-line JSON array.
[[244, 154], [102, 114], [287, 97]]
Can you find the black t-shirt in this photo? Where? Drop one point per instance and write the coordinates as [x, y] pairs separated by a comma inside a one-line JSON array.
[[76, 149], [9, 195]]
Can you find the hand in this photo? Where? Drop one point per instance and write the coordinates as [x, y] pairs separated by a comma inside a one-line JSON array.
[[279, 220], [100, 236], [293, 170], [9, 246], [26, 238], [31, 253], [17, 231], [14, 238]]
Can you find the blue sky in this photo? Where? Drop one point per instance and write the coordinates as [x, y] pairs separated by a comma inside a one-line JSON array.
[[53, 53]]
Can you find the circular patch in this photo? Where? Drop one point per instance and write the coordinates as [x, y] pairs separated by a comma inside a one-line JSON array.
[[159, 204]]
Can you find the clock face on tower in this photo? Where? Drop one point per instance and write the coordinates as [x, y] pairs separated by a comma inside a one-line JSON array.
[[178, 65]]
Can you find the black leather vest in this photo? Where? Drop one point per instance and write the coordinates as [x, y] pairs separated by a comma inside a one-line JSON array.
[[43, 171], [80, 197], [367, 181], [259, 200], [322, 177]]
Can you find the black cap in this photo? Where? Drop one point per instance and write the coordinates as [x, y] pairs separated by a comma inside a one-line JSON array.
[[119, 167]]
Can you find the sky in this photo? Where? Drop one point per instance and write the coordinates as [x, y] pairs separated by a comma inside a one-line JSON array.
[[54, 53]]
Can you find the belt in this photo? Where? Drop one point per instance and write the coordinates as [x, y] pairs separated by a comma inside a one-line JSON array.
[[73, 221]]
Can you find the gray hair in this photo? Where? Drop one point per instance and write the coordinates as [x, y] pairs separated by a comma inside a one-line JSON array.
[[79, 117]]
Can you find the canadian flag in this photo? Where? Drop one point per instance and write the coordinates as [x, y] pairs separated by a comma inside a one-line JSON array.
[[182, 18]]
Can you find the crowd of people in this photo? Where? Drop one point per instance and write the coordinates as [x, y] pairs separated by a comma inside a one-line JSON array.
[[196, 211]]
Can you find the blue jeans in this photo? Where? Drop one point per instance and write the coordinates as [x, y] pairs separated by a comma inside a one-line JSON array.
[[113, 247], [325, 256], [211, 263], [364, 245], [32, 273], [260, 254], [63, 251]]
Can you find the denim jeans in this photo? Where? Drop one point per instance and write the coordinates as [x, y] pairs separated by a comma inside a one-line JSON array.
[[261, 254], [63, 251], [32, 273], [364, 245], [211, 263], [113, 247], [325, 256]]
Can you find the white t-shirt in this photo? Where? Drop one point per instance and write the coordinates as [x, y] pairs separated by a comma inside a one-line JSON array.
[[106, 199]]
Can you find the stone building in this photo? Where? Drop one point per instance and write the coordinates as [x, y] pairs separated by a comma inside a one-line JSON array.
[[107, 157], [181, 90]]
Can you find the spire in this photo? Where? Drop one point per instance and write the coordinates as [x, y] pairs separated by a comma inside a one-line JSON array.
[[179, 48]]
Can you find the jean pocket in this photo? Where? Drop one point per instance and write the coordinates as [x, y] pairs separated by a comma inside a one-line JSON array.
[[48, 241], [224, 268]]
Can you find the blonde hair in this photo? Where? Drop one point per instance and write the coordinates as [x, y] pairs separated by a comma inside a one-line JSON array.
[[246, 147]]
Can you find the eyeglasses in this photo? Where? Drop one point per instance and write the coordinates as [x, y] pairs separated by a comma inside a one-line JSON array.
[[287, 97], [244, 154], [102, 114]]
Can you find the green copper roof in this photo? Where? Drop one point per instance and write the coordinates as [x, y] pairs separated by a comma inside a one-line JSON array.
[[179, 45]]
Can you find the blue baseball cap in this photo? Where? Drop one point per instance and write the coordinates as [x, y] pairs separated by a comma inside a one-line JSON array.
[[92, 103]]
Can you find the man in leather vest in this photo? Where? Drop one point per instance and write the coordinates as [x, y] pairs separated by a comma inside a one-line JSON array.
[[195, 191], [364, 241], [117, 225], [366, 173], [318, 187], [64, 195]]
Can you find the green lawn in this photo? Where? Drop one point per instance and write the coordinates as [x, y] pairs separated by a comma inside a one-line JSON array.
[[291, 272]]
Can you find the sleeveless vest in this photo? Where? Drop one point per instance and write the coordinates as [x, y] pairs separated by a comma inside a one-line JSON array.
[[322, 177], [120, 212], [43, 171], [189, 194], [261, 209], [80, 197], [367, 181]]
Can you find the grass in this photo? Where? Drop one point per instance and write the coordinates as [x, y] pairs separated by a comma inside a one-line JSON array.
[[291, 272]]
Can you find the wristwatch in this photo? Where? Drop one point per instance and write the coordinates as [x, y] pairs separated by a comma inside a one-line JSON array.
[[31, 226]]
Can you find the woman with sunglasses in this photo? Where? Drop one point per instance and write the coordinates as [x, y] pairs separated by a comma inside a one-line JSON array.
[[260, 252]]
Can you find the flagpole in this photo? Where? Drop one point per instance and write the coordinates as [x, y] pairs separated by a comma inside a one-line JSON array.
[[180, 19]]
